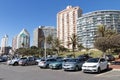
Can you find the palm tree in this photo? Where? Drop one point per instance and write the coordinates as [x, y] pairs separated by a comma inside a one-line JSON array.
[[101, 30], [104, 43], [80, 46], [49, 40], [110, 32], [73, 42], [57, 44]]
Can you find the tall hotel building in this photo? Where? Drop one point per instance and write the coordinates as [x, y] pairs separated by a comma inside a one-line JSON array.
[[67, 24], [42, 32], [4, 45], [22, 40], [87, 25]]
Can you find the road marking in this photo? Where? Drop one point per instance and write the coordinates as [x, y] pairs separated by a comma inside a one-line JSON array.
[[103, 73]]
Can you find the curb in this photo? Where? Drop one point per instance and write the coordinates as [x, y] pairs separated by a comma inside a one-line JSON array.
[[116, 69]]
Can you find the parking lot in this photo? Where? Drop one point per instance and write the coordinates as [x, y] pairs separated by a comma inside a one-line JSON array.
[[35, 73]]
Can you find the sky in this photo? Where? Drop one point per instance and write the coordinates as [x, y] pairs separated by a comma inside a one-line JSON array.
[[29, 14]]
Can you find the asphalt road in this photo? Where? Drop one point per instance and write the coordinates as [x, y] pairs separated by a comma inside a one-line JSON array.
[[35, 73]]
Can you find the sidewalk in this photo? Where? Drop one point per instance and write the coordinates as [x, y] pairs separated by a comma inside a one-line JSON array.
[[117, 65]]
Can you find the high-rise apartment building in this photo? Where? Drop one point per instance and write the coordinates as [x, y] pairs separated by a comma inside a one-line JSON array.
[[67, 24], [23, 39], [87, 25], [42, 32]]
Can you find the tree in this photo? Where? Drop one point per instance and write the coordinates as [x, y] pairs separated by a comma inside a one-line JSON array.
[[49, 39], [106, 39], [101, 43], [21, 51], [40, 51], [56, 44], [101, 30], [34, 47], [73, 42], [80, 46], [23, 45]]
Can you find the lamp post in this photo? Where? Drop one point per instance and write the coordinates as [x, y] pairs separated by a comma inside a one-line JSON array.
[[87, 40], [45, 47], [45, 44]]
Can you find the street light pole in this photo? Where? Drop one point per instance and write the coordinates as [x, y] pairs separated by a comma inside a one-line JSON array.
[[87, 41], [45, 47]]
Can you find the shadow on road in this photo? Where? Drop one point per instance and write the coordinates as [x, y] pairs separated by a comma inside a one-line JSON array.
[[104, 71], [1, 78]]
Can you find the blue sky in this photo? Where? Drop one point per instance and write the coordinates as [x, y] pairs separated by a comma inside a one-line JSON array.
[[29, 14]]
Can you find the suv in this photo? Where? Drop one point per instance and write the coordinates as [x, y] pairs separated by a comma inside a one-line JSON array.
[[95, 65]]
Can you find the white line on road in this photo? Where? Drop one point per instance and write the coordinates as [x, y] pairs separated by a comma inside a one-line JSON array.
[[103, 73]]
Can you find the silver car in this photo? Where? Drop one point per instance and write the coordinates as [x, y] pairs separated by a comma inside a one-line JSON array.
[[45, 63], [73, 64]]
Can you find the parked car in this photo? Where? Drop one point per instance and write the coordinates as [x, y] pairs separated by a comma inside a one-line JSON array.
[[13, 61], [110, 57], [44, 63], [73, 64], [27, 61], [84, 56], [38, 60], [3, 58], [95, 65], [56, 64]]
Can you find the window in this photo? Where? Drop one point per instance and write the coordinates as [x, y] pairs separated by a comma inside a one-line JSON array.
[[102, 60]]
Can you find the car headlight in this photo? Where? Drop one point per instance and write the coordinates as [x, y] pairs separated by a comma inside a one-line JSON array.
[[94, 66]]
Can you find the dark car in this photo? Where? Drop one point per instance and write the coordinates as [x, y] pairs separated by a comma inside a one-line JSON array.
[[3, 58], [84, 56], [27, 61], [110, 57], [56, 65]]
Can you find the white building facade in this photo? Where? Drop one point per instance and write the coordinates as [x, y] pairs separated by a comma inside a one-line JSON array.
[[23, 39], [87, 25], [4, 45]]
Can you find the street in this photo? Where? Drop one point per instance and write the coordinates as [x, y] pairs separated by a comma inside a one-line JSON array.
[[35, 73]]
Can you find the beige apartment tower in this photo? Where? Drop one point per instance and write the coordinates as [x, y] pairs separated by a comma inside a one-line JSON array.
[[67, 24]]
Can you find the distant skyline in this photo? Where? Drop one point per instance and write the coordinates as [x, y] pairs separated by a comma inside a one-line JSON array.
[[29, 14]]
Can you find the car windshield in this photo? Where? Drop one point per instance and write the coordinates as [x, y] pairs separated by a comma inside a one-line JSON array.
[[93, 60], [23, 58], [109, 55]]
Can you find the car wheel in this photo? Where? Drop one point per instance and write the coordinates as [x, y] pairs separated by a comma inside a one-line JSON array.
[[99, 70], [84, 71], [47, 66], [65, 70], [15, 64], [60, 67], [76, 68], [107, 67]]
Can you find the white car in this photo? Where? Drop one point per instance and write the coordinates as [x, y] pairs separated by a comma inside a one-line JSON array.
[[95, 65], [13, 62]]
